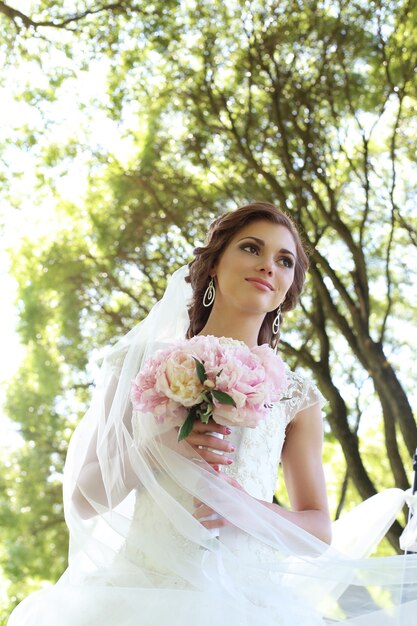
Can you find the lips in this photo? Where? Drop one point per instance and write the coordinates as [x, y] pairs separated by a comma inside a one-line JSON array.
[[261, 281]]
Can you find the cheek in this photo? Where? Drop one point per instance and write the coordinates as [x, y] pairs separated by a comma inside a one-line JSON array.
[[287, 283]]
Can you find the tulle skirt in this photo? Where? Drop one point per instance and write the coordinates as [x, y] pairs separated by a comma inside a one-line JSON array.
[[103, 605], [235, 581]]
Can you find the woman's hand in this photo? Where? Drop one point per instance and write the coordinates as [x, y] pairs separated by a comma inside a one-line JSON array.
[[214, 450], [203, 511]]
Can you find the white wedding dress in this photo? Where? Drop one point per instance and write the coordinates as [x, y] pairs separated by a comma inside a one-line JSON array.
[[142, 559], [140, 587]]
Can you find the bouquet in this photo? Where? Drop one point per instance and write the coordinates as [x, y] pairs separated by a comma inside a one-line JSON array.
[[209, 377]]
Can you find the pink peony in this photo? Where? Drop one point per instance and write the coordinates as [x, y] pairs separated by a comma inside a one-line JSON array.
[[176, 378], [146, 397], [275, 379], [245, 378]]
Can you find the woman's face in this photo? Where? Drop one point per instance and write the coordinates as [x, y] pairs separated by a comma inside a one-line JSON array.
[[256, 268]]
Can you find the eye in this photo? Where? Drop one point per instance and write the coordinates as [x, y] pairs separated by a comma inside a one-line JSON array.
[[286, 261], [250, 247]]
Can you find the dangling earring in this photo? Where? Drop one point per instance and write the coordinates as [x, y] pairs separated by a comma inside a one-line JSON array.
[[209, 294], [277, 321]]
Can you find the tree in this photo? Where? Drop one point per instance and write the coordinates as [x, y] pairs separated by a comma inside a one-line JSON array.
[[308, 105]]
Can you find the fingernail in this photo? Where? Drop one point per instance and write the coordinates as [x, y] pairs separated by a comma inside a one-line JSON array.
[[229, 461], [232, 448], [216, 467], [228, 431]]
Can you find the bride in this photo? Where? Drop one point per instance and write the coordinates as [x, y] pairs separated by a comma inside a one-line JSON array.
[[185, 533]]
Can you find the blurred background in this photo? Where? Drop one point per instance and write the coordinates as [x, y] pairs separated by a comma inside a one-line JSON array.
[[125, 128]]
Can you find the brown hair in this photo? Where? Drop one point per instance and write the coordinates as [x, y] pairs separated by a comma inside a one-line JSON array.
[[220, 233]]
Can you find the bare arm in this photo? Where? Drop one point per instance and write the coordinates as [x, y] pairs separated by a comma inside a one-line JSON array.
[[304, 475], [90, 479], [90, 482]]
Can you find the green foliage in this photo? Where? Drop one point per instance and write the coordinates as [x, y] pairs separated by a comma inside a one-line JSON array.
[[310, 105], [31, 515]]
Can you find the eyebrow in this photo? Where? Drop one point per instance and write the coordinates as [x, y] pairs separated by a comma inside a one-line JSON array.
[[262, 243]]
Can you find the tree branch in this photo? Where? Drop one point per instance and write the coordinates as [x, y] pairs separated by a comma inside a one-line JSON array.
[[393, 220], [17, 16]]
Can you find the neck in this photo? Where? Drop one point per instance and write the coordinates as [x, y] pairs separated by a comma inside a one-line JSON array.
[[242, 327]]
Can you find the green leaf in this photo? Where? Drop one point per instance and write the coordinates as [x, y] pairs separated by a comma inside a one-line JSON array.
[[201, 372], [223, 397], [188, 424]]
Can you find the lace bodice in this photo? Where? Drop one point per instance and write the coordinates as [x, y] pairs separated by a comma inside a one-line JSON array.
[[258, 450]]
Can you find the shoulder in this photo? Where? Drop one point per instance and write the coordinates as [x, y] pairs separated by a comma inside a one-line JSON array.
[[300, 393]]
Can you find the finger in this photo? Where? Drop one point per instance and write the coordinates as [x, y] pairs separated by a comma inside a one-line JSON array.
[[213, 458], [211, 426], [231, 481], [208, 441], [203, 510], [209, 518], [218, 523]]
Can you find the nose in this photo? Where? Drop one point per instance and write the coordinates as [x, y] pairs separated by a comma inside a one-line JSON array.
[[266, 265]]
